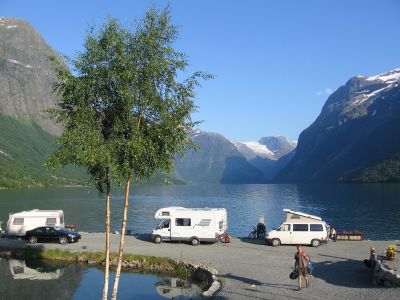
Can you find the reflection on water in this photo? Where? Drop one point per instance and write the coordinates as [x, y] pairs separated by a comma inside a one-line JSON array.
[[176, 288], [20, 269], [38, 280], [33, 280], [364, 207]]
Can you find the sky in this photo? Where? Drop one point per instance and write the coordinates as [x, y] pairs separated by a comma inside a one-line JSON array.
[[275, 62]]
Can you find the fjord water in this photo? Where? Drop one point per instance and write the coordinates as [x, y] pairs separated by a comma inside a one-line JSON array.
[[373, 209], [22, 279]]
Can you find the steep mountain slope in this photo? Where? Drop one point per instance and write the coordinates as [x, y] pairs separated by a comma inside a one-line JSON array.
[[269, 154], [26, 76], [24, 147], [357, 128], [216, 161]]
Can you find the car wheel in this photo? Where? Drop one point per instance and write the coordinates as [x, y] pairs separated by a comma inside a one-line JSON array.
[[195, 241], [275, 242], [315, 243], [157, 239], [62, 240], [33, 239]]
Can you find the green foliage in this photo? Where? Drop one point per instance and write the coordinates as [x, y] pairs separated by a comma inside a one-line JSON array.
[[24, 147], [122, 109], [385, 171]]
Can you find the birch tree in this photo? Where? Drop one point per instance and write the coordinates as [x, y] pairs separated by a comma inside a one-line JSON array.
[[125, 113]]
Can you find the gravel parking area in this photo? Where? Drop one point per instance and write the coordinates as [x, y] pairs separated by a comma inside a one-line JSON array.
[[250, 269]]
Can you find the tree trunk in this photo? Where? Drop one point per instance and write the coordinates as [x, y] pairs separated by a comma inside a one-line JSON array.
[[122, 240], [107, 254]]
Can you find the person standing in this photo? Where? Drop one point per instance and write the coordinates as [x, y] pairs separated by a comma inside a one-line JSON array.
[[333, 234], [300, 264]]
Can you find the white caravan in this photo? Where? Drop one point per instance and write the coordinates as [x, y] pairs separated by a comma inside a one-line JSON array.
[[194, 225], [19, 223], [299, 229]]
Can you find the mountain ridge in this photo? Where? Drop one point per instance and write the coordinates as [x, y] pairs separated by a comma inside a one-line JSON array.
[[359, 115]]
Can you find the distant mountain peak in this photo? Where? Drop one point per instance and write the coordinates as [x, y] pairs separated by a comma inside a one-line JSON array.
[[271, 147]]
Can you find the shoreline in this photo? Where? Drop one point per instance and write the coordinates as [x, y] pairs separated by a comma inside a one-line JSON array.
[[249, 268]]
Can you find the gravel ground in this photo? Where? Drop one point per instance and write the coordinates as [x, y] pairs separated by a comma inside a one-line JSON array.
[[250, 269]]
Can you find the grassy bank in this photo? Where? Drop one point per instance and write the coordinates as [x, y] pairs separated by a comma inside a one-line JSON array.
[[130, 262]]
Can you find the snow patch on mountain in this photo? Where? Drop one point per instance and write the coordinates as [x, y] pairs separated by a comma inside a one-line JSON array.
[[259, 149], [5, 154], [388, 77], [14, 61]]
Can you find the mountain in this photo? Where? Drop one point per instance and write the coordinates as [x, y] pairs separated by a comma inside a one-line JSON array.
[[24, 147], [268, 154], [26, 75], [216, 161], [356, 130]]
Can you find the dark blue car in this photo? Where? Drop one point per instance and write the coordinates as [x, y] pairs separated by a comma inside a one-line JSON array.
[[52, 234]]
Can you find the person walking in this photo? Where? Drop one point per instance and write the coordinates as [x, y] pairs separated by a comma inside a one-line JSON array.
[[300, 264]]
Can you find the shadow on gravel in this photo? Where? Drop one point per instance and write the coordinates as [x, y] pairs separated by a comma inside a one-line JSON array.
[[346, 272], [253, 241], [145, 237], [250, 282]]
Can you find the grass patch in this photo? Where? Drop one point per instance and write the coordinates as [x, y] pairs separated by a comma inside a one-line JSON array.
[[134, 262]]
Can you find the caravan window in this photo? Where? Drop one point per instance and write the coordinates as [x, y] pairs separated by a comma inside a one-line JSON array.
[[18, 221], [51, 222], [205, 222], [62, 219], [316, 227], [300, 227], [183, 222]]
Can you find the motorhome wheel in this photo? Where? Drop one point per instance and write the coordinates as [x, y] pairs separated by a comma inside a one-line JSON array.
[[157, 239], [195, 241], [33, 239]]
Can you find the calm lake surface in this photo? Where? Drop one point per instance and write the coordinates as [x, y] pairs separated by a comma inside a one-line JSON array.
[[22, 279], [373, 209]]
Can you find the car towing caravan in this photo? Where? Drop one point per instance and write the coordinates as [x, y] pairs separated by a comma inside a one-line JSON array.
[[19, 223], [193, 225], [299, 229]]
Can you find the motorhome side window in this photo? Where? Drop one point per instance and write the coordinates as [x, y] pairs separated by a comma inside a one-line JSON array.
[[300, 227], [50, 221], [316, 227], [183, 222], [18, 221]]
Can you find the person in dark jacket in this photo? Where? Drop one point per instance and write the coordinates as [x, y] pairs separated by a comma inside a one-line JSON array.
[[301, 260]]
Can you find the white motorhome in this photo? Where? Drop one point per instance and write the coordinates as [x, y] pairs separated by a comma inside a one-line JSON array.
[[194, 225], [299, 229], [19, 270], [19, 223]]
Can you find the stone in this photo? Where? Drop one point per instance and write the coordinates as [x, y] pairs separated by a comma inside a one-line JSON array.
[[81, 258]]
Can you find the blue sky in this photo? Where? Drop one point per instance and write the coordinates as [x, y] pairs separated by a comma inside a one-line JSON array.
[[275, 61]]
